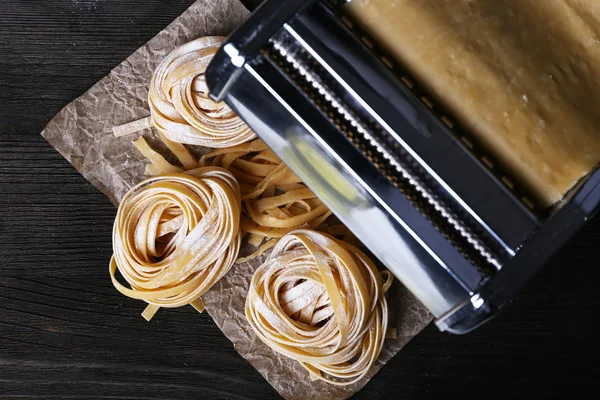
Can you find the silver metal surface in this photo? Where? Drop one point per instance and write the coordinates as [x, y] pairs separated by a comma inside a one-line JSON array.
[[423, 204], [313, 159], [413, 180], [413, 154]]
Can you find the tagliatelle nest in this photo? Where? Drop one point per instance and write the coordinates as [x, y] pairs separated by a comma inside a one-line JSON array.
[[175, 236], [180, 107], [320, 301]]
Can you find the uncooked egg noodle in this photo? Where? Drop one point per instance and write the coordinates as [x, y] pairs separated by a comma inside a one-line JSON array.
[[175, 236], [275, 201], [180, 107], [320, 301]]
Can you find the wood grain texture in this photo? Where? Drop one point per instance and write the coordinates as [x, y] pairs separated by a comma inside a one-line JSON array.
[[66, 333]]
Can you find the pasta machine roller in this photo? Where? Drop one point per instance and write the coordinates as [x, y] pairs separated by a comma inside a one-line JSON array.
[[391, 164]]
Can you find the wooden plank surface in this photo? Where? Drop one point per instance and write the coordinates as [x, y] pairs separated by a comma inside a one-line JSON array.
[[66, 333]]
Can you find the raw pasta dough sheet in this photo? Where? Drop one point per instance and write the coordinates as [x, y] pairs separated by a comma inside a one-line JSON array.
[[521, 75]]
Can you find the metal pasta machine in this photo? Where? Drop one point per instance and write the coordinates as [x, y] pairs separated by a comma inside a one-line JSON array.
[[389, 163]]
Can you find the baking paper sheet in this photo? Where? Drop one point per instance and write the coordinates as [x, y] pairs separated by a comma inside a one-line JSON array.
[[82, 133]]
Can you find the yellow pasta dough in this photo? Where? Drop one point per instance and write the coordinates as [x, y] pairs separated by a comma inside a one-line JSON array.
[[321, 302], [522, 75], [175, 236]]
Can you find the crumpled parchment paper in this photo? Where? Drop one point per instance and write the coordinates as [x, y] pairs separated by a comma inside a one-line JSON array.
[[82, 133]]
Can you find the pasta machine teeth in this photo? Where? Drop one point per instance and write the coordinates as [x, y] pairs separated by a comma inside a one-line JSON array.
[[302, 69]]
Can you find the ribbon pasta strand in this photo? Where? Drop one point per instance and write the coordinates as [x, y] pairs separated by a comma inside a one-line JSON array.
[[320, 301], [175, 236], [275, 201]]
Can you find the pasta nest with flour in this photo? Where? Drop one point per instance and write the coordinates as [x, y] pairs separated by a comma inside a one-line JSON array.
[[175, 236], [320, 301], [180, 106]]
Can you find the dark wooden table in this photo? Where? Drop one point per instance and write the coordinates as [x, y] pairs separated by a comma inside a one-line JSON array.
[[66, 333]]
